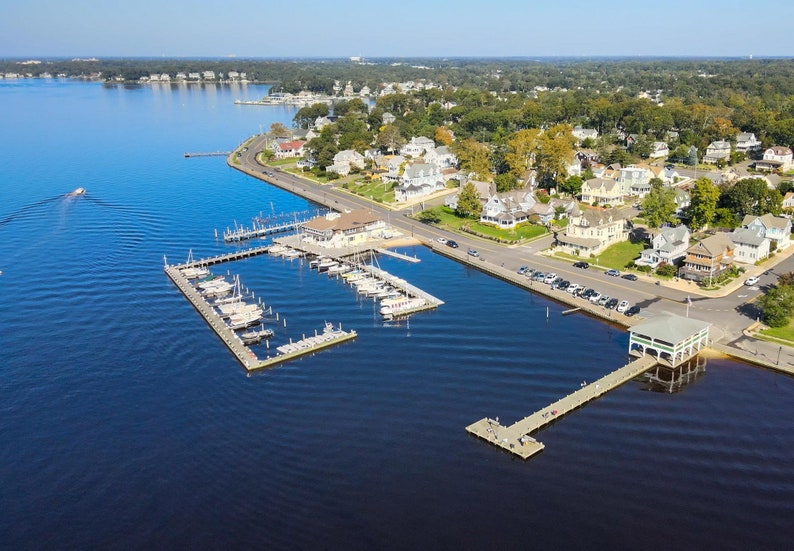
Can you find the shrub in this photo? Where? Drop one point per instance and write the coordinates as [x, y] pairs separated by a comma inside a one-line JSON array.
[[665, 270]]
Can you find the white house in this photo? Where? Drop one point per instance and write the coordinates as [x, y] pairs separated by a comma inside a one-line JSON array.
[[633, 179], [775, 228], [418, 180], [788, 200], [582, 134], [592, 231], [747, 142], [345, 161], [668, 245], [750, 245], [659, 149], [441, 156], [285, 150], [775, 158], [417, 146], [484, 191], [393, 166], [508, 209], [716, 151]]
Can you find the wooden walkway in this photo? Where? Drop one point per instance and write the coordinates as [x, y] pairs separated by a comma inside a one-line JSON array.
[[394, 254], [516, 438], [228, 257], [209, 154]]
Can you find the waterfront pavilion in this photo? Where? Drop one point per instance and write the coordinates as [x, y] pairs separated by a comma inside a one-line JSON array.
[[672, 339]]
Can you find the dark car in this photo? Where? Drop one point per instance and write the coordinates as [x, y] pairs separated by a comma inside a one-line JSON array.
[[587, 293], [452, 244], [611, 304], [562, 285], [582, 265], [630, 277], [633, 310]]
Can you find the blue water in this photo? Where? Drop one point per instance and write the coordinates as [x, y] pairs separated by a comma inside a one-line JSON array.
[[124, 421]]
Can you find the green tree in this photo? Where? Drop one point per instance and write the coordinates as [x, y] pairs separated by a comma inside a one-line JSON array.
[[572, 185], [390, 138], [520, 148], [703, 205], [553, 153], [306, 115], [777, 305], [473, 157], [505, 182], [659, 205], [468, 202], [279, 130], [751, 196]]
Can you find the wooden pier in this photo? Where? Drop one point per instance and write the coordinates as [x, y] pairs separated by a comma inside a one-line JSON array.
[[517, 439], [209, 154], [246, 356], [242, 233], [227, 257], [395, 254]]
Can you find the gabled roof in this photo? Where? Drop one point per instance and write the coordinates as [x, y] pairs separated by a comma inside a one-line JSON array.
[[289, 146], [767, 220], [345, 221], [746, 236], [713, 245]]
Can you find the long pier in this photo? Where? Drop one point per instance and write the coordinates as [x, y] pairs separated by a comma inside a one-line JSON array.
[[209, 154], [246, 356], [228, 257], [517, 439]]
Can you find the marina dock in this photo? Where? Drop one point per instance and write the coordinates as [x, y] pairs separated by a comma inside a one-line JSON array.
[[517, 439], [264, 227], [246, 356], [209, 154], [228, 257]]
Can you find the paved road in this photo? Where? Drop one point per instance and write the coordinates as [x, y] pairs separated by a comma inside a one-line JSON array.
[[729, 314]]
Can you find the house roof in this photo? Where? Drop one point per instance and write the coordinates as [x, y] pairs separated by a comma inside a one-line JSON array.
[[669, 327], [767, 220], [747, 236], [289, 146], [673, 236], [345, 221], [778, 150], [713, 245], [587, 242]]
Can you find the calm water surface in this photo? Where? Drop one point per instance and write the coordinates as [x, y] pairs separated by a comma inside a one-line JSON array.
[[124, 421]]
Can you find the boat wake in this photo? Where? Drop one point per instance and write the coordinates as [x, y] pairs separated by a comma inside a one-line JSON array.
[[28, 211]]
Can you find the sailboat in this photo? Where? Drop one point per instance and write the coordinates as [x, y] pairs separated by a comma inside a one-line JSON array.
[[193, 272]]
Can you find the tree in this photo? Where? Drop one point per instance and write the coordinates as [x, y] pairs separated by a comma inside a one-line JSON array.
[[468, 202], [390, 138], [474, 157], [554, 151], [307, 115], [505, 182], [777, 305], [443, 135], [751, 196], [279, 130], [703, 205], [659, 205], [572, 185], [520, 148]]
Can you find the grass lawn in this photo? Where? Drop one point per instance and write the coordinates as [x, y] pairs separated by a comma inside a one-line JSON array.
[[281, 162], [785, 333], [620, 254], [447, 218], [375, 189]]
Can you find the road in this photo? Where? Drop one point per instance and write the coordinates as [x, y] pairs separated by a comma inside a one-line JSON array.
[[729, 314]]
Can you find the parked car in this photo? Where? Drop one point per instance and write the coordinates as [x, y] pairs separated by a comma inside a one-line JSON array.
[[539, 276], [522, 270], [473, 252], [634, 310], [603, 300], [630, 277], [613, 273], [530, 272], [587, 293], [623, 306], [550, 277], [752, 280], [573, 287], [563, 285], [611, 304], [442, 240], [582, 265], [595, 297], [452, 244]]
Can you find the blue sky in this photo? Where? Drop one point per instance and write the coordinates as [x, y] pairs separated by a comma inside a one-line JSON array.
[[402, 28]]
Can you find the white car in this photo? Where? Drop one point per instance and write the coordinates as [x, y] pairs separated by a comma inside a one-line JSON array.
[[752, 280], [442, 240], [573, 287], [623, 306], [550, 277], [595, 297]]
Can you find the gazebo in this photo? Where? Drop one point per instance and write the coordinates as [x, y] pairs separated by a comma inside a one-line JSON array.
[[671, 338]]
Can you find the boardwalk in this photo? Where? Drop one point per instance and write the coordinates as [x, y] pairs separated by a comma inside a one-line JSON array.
[[516, 438], [228, 257]]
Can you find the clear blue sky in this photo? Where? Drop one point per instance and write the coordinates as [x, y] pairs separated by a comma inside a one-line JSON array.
[[397, 28]]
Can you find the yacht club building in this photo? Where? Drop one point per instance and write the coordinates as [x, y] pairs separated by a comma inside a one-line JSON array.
[[670, 338]]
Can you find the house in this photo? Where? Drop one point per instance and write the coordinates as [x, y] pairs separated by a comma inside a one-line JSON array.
[[601, 191], [441, 156], [484, 190], [388, 118], [682, 200], [716, 151], [746, 142], [417, 146], [659, 149], [788, 200], [751, 245], [344, 229], [286, 150], [634, 180], [775, 158], [345, 161], [583, 134], [708, 258], [668, 246], [394, 166], [321, 122], [775, 228], [592, 231], [507, 210], [208, 75], [418, 180]]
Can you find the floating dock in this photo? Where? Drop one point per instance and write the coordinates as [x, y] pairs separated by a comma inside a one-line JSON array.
[[209, 154], [244, 354], [517, 438]]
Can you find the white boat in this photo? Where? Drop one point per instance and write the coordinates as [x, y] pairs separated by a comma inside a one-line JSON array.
[[194, 272], [76, 192], [233, 308], [247, 319], [325, 264], [291, 253], [255, 336], [276, 249], [221, 289], [396, 306]]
